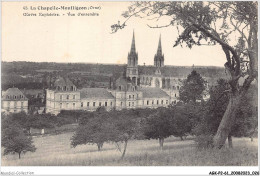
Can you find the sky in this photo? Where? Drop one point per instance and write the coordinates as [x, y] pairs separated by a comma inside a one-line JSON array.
[[89, 40]]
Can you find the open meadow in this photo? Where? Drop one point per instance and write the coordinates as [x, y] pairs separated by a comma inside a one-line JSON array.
[[55, 150]]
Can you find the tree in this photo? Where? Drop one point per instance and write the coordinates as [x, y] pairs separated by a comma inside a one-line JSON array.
[[192, 88], [124, 128], [181, 122], [95, 131], [246, 117], [232, 25], [15, 141], [158, 125]]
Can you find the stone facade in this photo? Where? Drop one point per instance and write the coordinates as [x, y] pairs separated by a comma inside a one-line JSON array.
[[14, 101], [150, 87]]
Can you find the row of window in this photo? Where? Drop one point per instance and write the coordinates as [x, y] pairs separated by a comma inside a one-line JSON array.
[[94, 104], [157, 102], [67, 105], [14, 96], [15, 104], [133, 96], [16, 110], [66, 88], [68, 97], [122, 88]]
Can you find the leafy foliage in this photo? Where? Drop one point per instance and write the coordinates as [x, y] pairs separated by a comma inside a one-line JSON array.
[[14, 140], [246, 121], [232, 25], [181, 123], [158, 125], [192, 88]]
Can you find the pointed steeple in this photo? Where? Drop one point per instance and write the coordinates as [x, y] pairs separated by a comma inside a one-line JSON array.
[[133, 44], [159, 50], [159, 57]]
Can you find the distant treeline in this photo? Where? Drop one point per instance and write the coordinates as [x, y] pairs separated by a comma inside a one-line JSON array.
[[35, 75]]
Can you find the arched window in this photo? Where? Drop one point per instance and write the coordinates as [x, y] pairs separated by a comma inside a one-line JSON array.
[[72, 88], [120, 88], [64, 88]]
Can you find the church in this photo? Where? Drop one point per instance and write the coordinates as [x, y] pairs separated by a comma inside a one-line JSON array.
[[141, 87]]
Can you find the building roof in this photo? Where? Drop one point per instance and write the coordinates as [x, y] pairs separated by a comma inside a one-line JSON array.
[[121, 81], [63, 82], [33, 91], [152, 92], [13, 94], [100, 93], [178, 71]]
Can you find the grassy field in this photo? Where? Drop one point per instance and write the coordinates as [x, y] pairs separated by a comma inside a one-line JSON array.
[[56, 151]]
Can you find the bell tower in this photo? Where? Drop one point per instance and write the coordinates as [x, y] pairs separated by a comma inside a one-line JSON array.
[[159, 57], [132, 62]]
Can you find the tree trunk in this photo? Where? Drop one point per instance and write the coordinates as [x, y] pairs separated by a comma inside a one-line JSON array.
[[19, 155], [182, 138], [227, 121], [123, 154], [252, 139], [230, 144], [99, 146], [161, 140]]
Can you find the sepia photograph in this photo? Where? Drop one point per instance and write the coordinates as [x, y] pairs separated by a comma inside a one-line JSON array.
[[142, 83]]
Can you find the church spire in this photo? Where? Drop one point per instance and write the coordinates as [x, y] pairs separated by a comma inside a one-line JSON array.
[[159, 50], [132, 62], [133, 44], [159, 57]]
